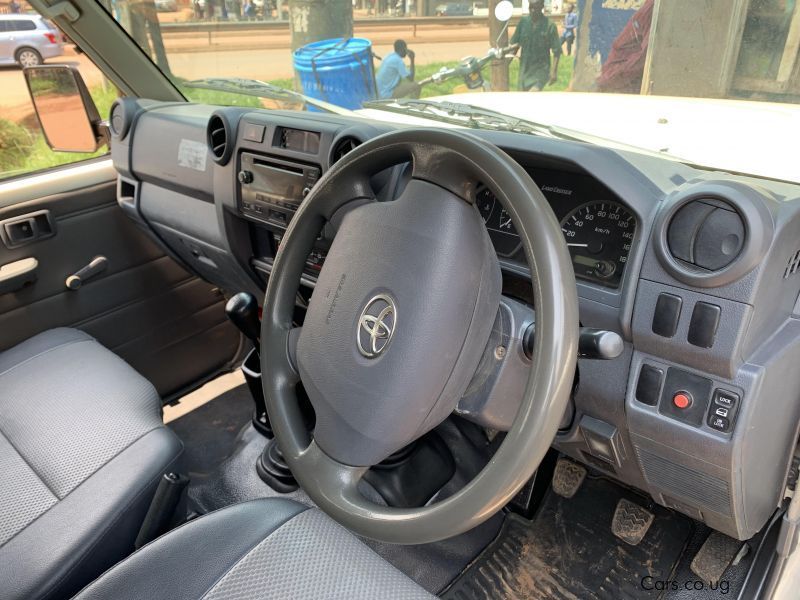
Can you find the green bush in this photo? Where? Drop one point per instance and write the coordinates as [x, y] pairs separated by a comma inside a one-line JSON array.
[[15, 145]]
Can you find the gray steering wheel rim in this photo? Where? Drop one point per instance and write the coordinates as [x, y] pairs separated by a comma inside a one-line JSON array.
[[331, 484]]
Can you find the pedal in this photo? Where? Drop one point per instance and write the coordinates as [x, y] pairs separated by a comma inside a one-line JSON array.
[[567, 477], [716, 555], [631, 522]]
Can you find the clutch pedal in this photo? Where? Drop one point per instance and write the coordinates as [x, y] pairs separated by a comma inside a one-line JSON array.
[[567, 477]]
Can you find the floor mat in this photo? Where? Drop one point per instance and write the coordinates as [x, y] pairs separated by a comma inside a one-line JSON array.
[[568, 551], [209, 432]]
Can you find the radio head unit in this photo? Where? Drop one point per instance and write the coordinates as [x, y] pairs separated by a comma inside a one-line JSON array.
[[272, 189]]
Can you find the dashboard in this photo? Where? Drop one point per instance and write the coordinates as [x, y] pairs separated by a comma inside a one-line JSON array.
[[697, 270]]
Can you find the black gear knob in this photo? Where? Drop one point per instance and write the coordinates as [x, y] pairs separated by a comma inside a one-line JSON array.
[[242, 310]]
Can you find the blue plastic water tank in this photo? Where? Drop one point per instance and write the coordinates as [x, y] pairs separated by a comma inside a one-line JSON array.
[[338, 71]]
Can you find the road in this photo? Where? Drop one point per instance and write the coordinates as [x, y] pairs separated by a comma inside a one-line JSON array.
[[264, 64]]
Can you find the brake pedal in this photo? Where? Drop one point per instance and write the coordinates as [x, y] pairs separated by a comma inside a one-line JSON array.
[[716, 555], [631, 522], [567, 477]]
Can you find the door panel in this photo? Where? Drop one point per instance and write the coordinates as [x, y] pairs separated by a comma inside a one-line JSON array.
[[167, 323]]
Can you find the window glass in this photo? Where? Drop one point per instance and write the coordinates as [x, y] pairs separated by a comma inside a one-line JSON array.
[[715, 84], [22, 25], [23, 148]]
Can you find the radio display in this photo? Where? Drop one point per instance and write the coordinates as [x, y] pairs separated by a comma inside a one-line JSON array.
[[278, 185]]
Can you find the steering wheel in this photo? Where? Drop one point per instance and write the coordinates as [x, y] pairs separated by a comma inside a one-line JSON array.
[[399, 320]]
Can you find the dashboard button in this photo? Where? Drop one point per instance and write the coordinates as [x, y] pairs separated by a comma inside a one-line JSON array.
[[725, 398], [682, 400], [724, 407], [704, 323], [666, 315], [648, 388], [685, 397], [719, 423], [253, 132]]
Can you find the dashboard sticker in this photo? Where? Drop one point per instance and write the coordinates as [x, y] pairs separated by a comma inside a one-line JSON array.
[[192, 155]]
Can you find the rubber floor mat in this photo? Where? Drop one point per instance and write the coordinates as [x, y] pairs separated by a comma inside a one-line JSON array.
[[209, 432], [567, 552]]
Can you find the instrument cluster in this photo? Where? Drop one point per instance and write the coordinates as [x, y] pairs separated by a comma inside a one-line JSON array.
[[597, 227]]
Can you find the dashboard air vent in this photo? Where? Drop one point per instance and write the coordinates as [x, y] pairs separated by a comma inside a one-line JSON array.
[[219, 138], [706, 235], [343, 146]]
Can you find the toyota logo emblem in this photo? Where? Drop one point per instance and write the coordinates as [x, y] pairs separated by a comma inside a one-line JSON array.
[[376, 326]]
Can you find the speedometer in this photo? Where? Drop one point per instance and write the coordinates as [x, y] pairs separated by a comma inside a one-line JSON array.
[[599, 236]]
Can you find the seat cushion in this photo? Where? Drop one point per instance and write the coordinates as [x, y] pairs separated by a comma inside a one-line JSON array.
[[82, 446], [259, 550]]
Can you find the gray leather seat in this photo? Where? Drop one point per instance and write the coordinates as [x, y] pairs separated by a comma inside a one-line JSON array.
[[82, 447], [258, 550]]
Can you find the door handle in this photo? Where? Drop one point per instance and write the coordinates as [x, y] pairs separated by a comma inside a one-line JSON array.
[[95, 267], [14, 276]]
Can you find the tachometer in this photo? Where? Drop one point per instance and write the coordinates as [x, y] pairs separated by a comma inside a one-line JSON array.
[[599, 236]]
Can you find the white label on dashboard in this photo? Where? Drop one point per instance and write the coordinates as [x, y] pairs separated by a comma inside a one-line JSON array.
[[192, 155]]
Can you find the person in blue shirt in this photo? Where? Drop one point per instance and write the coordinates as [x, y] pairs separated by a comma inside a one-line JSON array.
[[394, 79], [570, 26]]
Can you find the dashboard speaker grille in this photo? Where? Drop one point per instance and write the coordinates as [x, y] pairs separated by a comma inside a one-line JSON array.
[[704, 491]]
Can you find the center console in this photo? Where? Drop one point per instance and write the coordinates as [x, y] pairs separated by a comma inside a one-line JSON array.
[[271, 189]]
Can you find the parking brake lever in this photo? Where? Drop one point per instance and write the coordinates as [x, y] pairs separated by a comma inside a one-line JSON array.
[[598, 344]]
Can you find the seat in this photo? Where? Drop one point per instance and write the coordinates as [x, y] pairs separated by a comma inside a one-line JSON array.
[[82, 448], [258, 550]]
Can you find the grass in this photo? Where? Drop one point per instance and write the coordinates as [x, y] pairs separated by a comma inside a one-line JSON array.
[[40, 156]]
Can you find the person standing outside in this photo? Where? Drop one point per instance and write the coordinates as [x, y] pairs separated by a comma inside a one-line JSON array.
[[536, 36], [570, 27], [394, 79]]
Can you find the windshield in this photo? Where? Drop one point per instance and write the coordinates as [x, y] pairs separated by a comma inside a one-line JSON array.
[[711, 83]]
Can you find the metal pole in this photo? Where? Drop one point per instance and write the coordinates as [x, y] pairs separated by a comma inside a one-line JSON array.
[[499, 66]]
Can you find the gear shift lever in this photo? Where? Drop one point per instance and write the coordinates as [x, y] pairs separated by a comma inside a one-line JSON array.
[[242, 310]]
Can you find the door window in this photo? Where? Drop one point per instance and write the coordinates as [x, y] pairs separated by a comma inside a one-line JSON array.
[[23, 148]]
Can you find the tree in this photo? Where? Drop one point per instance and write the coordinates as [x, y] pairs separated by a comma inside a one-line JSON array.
[[140, 19], [314, 20]]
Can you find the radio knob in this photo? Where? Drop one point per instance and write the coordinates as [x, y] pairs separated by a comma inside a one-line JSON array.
[[245, 177]]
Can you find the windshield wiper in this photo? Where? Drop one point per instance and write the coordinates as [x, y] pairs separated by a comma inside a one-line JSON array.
[[467, 115], [475, 117], [261, 89]]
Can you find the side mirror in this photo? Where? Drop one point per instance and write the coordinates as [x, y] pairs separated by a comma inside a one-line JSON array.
[[65, 109]]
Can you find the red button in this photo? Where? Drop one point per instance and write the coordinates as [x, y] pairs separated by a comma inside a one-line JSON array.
[[682, 400]]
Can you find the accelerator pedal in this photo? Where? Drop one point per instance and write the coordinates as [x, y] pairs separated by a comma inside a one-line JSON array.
[[631, 522], [567, 477], [716, 555]]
